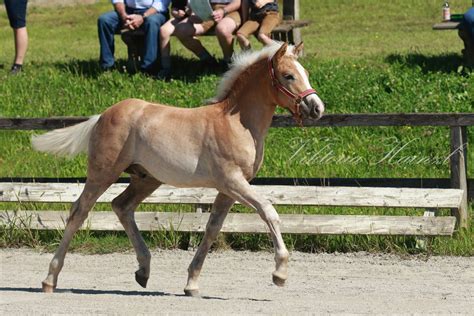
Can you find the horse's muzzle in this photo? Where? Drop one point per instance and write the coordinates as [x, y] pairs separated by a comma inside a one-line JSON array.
[[312, 106]]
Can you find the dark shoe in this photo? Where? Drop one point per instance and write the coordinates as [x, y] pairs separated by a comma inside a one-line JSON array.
[[16, 69], [164, 74], [148, 72], [225, 65], [210, 64], [107, 69]]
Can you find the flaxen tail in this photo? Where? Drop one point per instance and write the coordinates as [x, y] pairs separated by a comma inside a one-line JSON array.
[[68, 141]]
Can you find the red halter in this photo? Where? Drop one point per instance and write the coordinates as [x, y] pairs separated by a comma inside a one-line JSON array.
[[297, 98]]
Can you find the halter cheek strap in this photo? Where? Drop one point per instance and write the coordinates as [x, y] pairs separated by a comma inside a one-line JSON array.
[[297, 98]]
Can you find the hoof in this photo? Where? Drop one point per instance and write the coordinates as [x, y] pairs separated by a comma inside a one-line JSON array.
[[141, 279], [47, 288], [278, 281], [193, 293]]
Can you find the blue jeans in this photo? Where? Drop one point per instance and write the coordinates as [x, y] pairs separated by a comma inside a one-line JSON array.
[[469, 21], [110, 24]]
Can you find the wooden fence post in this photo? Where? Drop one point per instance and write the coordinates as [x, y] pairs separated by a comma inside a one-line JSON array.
[[291, 11], [458, 157]]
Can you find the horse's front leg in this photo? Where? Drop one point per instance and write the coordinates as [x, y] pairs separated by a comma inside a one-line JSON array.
[[221, 207], [243, 192]]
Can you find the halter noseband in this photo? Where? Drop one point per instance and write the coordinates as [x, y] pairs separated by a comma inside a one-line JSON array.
[[297, 98]]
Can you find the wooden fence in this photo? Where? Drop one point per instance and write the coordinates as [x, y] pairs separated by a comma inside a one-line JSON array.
[[451, 193]]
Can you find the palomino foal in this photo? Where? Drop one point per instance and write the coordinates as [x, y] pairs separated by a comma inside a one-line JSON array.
[[219, 145]]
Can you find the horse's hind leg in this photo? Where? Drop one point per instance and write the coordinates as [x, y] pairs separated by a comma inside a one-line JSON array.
[[221, 207], [78, 213], [124, 206]]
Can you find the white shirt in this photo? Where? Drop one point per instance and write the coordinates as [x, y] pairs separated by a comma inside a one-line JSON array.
[[159, 5]]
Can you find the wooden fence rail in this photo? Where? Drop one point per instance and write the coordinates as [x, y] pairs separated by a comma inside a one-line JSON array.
[[278, 195], [456, 122], [331, 120]]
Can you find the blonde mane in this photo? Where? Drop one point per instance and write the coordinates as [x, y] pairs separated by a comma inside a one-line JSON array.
[[240, 62]]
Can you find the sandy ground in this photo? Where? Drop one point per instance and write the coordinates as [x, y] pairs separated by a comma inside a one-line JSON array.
[[239, 283]]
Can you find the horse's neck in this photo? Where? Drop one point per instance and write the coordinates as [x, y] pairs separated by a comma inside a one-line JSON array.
[[251, 102]]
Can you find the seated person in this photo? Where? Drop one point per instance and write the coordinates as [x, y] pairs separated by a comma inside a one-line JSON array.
[[179, 11], [225, 19], [264, 17], [466, 32], [132, 14]]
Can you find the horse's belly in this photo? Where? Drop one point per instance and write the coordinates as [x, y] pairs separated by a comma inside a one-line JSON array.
[[182, 171]]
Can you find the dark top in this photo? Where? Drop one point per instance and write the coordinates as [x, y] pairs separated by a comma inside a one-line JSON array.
[[271, 6], [179, 4]]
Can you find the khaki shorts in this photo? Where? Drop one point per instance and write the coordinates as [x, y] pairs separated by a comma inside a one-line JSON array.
[[207, 25], [265, 26]]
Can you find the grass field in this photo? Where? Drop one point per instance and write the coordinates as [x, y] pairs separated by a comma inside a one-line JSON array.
[[364, 56]]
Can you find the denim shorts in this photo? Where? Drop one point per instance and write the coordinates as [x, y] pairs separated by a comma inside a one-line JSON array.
[[16, 11]]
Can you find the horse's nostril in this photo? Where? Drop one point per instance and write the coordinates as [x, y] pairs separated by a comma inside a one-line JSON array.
[[315, 111]]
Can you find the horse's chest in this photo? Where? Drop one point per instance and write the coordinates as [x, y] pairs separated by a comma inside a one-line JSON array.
[[250, 159]]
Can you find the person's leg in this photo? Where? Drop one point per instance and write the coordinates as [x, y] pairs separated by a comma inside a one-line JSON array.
[[466, 32], [152, 26], [21, 44], [108, 24], [249, 27], [16, 11], [166, 31], [469, 21], [187, 31], [268, 23], [225, 35]]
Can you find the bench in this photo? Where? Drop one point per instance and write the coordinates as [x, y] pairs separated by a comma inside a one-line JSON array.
[[21, 193], [468, 51], [287, 31]]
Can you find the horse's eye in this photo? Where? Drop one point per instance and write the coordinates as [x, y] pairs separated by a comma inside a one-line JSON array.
[[289, 77]]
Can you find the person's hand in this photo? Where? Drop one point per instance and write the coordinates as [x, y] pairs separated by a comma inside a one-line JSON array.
[[178, 14], [134, 21], [218, 14], [261, 3]]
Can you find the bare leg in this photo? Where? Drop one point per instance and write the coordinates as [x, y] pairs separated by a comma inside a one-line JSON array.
[[186, 33], [242, 191], [224, 32], [79, 211], [124, 206], [21, 44], [243, 42], [264, 39], [221, 207]]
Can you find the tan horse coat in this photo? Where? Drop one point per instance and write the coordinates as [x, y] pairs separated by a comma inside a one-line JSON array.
[[219, 145]]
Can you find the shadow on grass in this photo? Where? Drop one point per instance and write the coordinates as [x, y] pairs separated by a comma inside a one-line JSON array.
[[447, 63], [189, 70]]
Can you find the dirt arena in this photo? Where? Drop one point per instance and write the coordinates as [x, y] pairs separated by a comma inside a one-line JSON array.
[[239, 283]]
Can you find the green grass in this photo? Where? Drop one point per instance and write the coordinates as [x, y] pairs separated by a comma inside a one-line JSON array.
[[364, 56]]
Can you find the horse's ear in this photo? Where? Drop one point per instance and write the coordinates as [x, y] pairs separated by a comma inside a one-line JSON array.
[[281, 51], [298, 50]]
